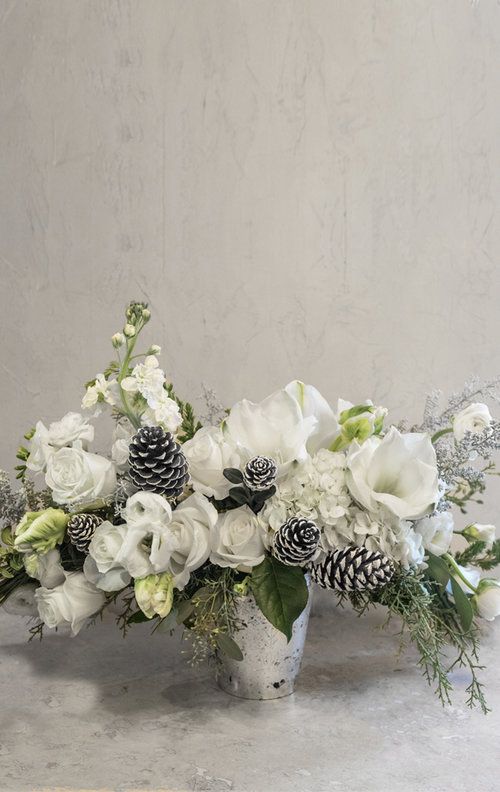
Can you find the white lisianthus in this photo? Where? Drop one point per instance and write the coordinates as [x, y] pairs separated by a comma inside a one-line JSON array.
[[144, 509], [312, 403], [162, 411], [21, 602], [274, 428], [208, 453], [102, 391], [475, 418], [481, 533], [102, 566], [76, 476], [46, 568], [146, 378], [398, 472], [237, 540], [72, 428], [73, 602], [487, 599], [436, 532]]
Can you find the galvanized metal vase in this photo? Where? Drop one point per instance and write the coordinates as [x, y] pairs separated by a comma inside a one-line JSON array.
[[270, 665]]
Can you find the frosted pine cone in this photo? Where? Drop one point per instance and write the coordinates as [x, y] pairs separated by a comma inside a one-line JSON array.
[[260, 473], [157, 463], [80, 530], [353, 569], [296, 542]]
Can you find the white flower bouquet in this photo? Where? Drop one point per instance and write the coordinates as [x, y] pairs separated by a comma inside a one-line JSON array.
[[179, 520]]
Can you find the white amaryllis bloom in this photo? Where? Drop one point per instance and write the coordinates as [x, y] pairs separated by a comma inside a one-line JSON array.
[[274, 428], [313, 404], [208, 453], [237, 540], [76, 476], [21, 602], [103, 391], [487, 599], [436, 532], [397, 472], [45, 567], [475, 418], [146, 378], [102, 566], [73, 602]]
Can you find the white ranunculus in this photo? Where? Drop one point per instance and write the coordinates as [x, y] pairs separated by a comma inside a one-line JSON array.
[[475, 418], [398, 472], [436, 532], [274, 428], [487, 599], [40, 449], [73, 602], [21, 602], [45, 567], [191, 524], [72, 428], [208, 453], [312, 403], [76, 476], [237, 540], [103, 566]]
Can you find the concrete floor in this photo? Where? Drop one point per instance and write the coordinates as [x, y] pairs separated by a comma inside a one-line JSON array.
[[99, 713]]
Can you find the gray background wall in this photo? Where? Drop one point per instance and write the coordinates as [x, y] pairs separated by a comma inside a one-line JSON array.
[[299, 189]]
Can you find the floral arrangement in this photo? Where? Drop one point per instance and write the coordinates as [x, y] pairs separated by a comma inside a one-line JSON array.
[[179, 520]]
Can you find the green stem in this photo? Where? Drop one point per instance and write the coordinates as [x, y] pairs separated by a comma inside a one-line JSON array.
[[458, 572], [133, 418], [439, 434]]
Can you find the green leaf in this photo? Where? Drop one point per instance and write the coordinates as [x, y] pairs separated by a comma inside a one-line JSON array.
[[233, 475], [184, 611], [239, 495], [137, 618], [463, 605], [280, 592], [438, 569], [229, 647]]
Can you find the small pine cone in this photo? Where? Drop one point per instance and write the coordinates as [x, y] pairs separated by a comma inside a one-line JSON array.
[[296, 542], [260, 473], [353, 569], [80, 530], [157, 463]]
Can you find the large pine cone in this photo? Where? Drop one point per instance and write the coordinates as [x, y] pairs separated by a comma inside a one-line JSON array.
[[260, 473], [157, 463], [296, 542], [353, 569], [80, 530]]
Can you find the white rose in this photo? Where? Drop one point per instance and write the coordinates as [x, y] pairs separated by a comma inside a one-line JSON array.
[[21, 602], [436, 532], [75, 475], [237, 540], [72, 428], [475, 418], [274, 428], [191, 524], [208, 453], [40, 449], [487, 599], [398, 472], [46, 568], [312, 403], [102, 566], [72, 602]]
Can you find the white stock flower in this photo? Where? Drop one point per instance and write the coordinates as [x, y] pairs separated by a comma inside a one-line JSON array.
[[398, 472], [162, 411], [313, 404], [487, 599], [208, 453], [102, 567], [76, 476], [146, 378], [72, 428], [436, 532], [237, 540], [274, 428], [21, 602], [103, 391], [45, 567], [475, 418], [73, 602]]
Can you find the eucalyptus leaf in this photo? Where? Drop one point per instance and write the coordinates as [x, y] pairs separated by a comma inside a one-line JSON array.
[[463, 605], [229, 647], [280, 592]]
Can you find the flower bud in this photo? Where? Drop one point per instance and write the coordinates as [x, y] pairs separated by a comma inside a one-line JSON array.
[[480, 533], [146, 314], [154, 349], [41, 531], [118, 339], [155, 594], [487, 599], [129, 330]]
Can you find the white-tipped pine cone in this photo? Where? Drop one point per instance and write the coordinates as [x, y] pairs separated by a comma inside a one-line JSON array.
[[260, 473], [296, 542], [353, 569], [157, 463], [80, 530]]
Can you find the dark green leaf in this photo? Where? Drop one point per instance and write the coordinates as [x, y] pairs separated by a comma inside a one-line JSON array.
[[463, 605], [229, 647], [184, 611], [280, 592], [239, 495], [438, 569], [233, 475], [137, 618]]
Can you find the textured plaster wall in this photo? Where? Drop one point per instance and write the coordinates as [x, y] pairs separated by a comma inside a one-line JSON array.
[[300, 189]]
